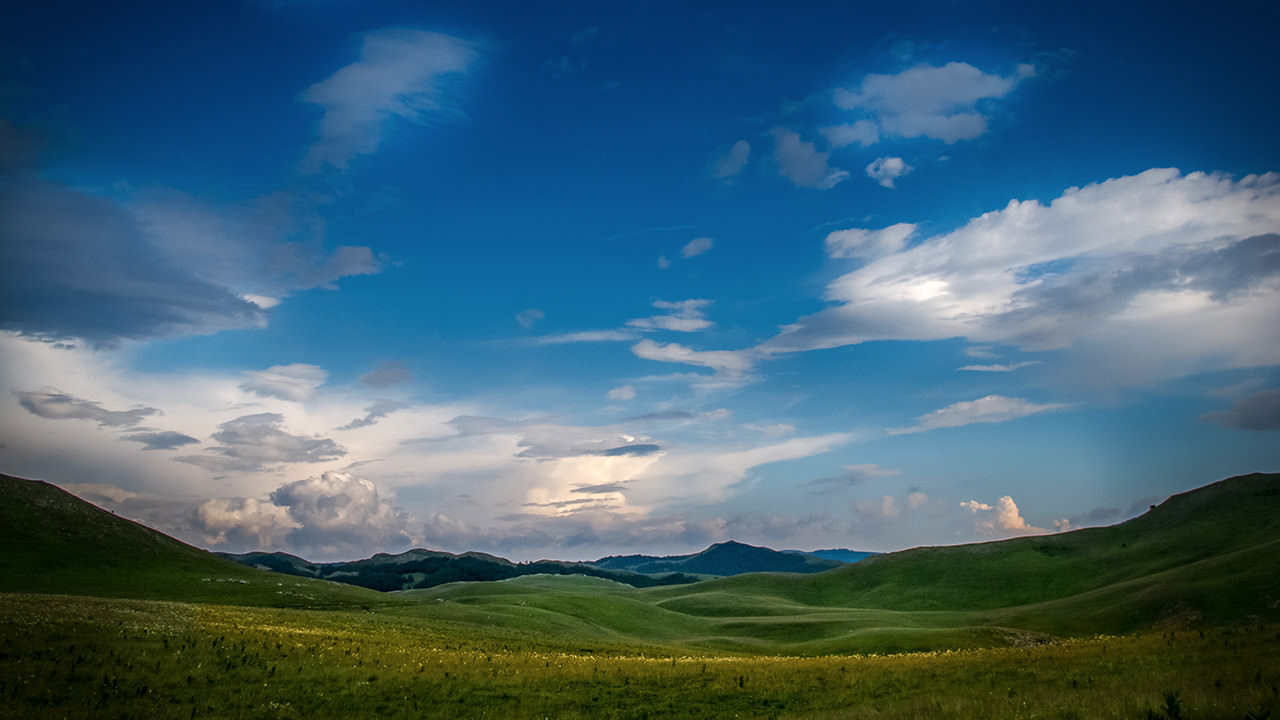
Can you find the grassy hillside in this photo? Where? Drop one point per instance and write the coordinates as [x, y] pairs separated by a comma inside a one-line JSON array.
[[1208, 557], [1211, 555], [55, 542]]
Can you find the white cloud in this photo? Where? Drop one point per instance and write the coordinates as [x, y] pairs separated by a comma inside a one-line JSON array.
[[338, 512], [727, 362], [696, 247], [1144, 277], [1001, 367], [916, 499], [886, 508], [527, 318], [399, 76], [296, 382], [663, 262], [1002, 520], [585, 336], [886, 170], [936, 102], [989, 409], [869, 244], [801, 163], [243, 523], [862, 132], [622, 394], [732, 162], [683, 316]]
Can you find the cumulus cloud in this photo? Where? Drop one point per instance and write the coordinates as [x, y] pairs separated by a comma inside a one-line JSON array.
[[885, 508], [682, 316], [989, 409], [161, 439], [801, 163], [375, 412], [527, 318], [400, 75], [862, 132], [253, 443], [296, 382], [386, 375], [1004, 519], [928, 101], [1260, 411], [53, 404], [868, 244], [1149, 276], [732, 162], [696, 247], [242, 523], [337, 512], [886, 170]]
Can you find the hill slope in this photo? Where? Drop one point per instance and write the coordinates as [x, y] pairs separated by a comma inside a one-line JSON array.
[[1208, 555], [57, 543]]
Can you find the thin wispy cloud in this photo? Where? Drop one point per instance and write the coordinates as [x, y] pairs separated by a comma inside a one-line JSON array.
[[400, 76], [989, 409]]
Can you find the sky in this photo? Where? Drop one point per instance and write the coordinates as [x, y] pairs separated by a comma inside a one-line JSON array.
[[568, 279]]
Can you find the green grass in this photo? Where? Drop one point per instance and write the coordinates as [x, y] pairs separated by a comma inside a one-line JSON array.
[[102, 617], [74, 657]]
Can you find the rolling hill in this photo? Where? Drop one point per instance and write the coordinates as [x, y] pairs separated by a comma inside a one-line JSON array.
[[1207, 557], [57, 543]]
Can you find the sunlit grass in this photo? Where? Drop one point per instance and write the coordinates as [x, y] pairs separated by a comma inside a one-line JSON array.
[[66, 656]]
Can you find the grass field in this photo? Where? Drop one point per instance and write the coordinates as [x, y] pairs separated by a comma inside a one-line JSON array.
[[100, 617], [78, 657]]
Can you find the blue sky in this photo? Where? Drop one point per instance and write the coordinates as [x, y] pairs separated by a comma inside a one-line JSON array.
[[583, 278]]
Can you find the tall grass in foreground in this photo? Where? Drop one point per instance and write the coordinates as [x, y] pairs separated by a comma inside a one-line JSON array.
[[78, 657]]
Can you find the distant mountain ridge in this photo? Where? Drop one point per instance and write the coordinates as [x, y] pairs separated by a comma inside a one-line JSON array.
[[723, 559], [418, 569], [843, 555]]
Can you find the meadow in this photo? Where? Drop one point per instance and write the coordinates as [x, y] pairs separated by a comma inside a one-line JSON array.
[[1172, 616], [81, 657]]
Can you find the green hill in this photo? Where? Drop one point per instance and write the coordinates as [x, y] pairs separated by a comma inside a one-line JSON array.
[[57, 543], [1207, 557], [1210, 556]]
